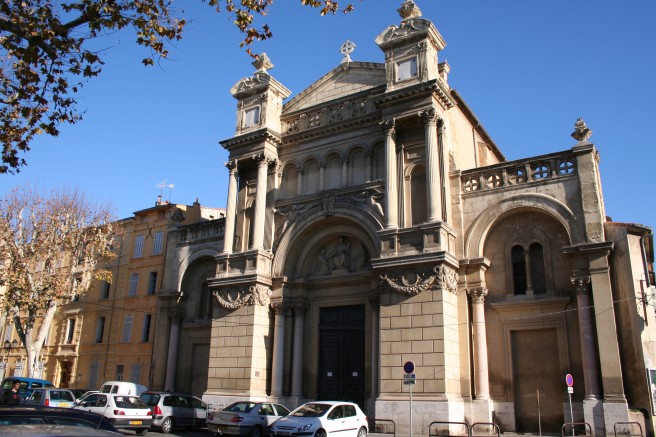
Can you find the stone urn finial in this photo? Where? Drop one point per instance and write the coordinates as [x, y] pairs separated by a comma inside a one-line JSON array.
[[409, 10], [262, 63], [581, 132]]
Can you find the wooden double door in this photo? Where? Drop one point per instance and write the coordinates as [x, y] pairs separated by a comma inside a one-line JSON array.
[[341, 354]]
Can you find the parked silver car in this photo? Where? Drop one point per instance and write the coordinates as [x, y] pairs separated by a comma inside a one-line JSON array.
[[175, 410], [52, 397], [251, 419]]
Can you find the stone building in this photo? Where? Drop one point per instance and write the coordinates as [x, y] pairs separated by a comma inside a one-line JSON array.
[[371, 221]]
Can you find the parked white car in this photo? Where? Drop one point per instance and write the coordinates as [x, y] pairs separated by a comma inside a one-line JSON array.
[[123, 411], [245, 418], [323, 419]]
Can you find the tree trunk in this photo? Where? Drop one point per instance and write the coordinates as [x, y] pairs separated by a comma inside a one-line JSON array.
[[33, 346]]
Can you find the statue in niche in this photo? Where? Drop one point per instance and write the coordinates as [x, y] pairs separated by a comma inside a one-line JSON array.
[[341, 254], [324, 262], [358, 258]]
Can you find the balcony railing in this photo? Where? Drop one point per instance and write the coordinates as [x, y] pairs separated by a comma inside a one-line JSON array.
[[202, 231], [519, 172]]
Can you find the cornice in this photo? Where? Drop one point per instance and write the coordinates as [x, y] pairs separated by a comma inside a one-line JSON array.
[[264, 134], [434, 86]]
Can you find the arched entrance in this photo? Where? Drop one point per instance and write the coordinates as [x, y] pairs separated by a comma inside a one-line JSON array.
[[328, 269]]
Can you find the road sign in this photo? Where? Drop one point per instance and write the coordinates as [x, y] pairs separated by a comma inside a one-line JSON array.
[[409, 378], [409, 367], [569, 379], [570, 389]]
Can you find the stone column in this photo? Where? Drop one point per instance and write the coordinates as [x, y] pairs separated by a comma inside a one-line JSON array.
[[391, 186], [527, 270], [482, 383], [433, 178], [260, 200], [172, 355], [585, 314], [297, 360], [231, 207], [278, 350]]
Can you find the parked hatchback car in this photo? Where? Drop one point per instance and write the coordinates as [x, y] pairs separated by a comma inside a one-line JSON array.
[[171, 410], [52, 397], [245, 418], [323, 419], [123, 411]]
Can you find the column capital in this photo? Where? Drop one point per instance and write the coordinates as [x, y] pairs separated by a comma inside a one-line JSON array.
[[389, 126], [429, 116], [231, 165], [581, 283], [175, 315], [477, 295], [278, 306], [264, 159]]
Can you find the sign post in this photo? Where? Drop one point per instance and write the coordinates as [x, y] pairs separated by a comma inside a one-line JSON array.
[[409, 379], [569, 380]]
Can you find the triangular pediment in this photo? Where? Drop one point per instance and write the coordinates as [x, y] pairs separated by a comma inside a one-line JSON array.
[[344, 80]]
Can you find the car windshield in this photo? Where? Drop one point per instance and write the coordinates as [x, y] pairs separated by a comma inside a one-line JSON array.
[[129, 402], [311, 410], [240, 407]]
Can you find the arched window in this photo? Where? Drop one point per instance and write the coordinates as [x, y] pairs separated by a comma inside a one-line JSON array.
[[289, 182], [528, 269], [417, 196], [378, 163], [357, 168], [333, 173], [519, 270], [311, 178]]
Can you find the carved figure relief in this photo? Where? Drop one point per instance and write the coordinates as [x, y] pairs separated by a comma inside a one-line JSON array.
[[340, 258]]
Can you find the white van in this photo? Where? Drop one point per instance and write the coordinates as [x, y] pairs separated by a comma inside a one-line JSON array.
[[123, 388]]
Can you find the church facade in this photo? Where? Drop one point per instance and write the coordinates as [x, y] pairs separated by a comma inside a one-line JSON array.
[[372, 222]]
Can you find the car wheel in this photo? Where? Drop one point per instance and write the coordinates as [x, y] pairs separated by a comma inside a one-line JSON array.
[[167, 425], [256, 431], [320, 433], [141, 431], [362, 432]]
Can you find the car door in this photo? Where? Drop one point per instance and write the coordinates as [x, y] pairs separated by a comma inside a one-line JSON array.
[[96, 403], [336, 424], [351, 421], [184, 412], [200, 411], [267, 415]]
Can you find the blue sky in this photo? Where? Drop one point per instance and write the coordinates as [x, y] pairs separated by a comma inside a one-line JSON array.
[[528, 70]]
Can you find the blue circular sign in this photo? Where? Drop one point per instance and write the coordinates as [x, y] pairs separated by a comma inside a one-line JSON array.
[[569, 379], [409, 367]]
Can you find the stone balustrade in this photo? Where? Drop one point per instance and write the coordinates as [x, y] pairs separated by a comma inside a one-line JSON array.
[[201, 231], [512, 173], [313, 118]]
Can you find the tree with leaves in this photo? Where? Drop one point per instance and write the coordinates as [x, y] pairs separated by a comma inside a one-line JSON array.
[[45, 59], [50, 250]]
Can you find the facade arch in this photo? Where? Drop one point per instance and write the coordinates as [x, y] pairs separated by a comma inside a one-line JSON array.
[[357, 166], [475, 237], [189, 259], [303, 236]]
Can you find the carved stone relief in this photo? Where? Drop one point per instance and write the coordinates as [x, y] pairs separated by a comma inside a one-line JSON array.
[[413, 281], [340, 257], [236, 298]]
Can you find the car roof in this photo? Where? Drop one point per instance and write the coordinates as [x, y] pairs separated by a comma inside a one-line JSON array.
[[27, 410], [52, 430], [174, 393]]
